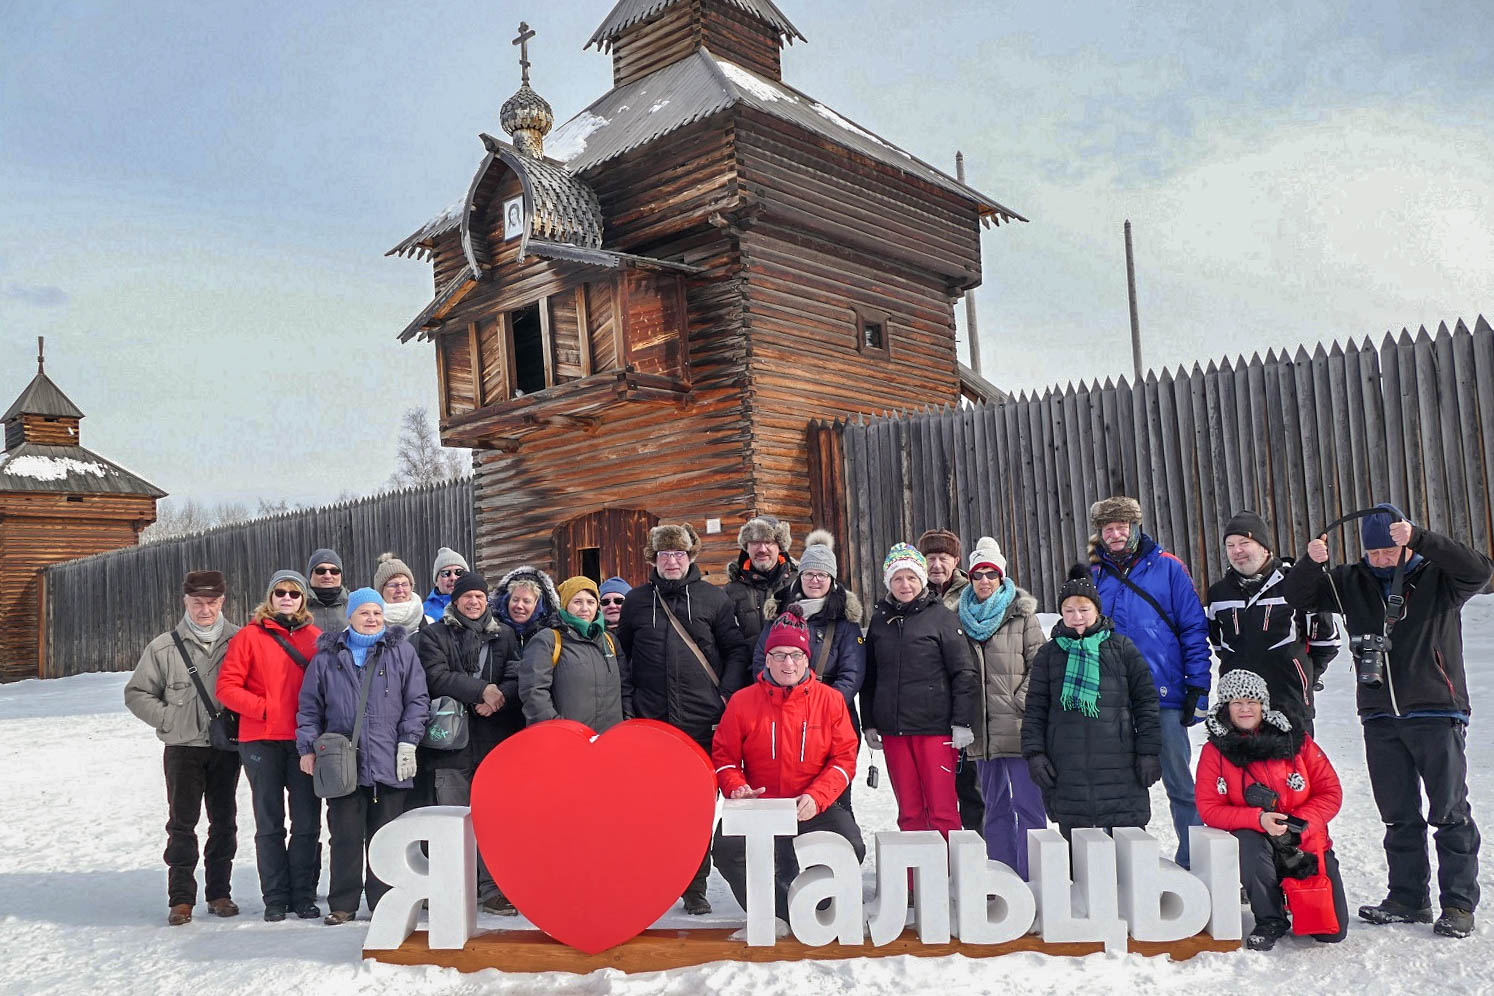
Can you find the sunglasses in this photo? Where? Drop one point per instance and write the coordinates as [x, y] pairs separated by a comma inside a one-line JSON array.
[[612, 601], [985, 575], [334, 571], [452, 572], [282, 593]]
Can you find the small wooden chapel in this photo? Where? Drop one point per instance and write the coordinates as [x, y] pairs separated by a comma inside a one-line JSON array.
[[637, 315]]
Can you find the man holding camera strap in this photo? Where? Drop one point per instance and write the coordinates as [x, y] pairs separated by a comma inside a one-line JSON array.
[[1413, 701]]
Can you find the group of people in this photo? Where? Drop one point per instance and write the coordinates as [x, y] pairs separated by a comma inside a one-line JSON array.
[[982, 719]]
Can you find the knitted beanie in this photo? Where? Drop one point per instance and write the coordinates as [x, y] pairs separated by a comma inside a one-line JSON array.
[[447, 557], [362, 597], [1251, 526], [1116, 509], [1081, 587], [819, 554], [614, 586], [471, 581], [763, 529], [1374, 530], [788, 631], [323, 556], [570, 586], [207, 584], [987, 553], [390, 566], [289, 575], [904, 557], [940, 541]]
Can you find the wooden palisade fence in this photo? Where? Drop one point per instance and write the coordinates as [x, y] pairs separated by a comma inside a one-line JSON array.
[[1299, 437], [99, 612]]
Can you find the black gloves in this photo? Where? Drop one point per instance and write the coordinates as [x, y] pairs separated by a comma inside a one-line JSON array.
[[1044, 775], [1190, 705], [1148, 769]]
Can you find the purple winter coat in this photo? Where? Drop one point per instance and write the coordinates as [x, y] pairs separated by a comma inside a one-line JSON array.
[[398, 704]]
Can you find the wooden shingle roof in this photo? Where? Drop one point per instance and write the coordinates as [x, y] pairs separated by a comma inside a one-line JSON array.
[[630, 12], [42, 397], [34, 467]]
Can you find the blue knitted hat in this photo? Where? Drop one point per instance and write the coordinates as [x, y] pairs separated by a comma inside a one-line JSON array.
[[362, 597]]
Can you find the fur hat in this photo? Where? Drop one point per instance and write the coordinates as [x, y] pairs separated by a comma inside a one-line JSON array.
[[904, 557], [672, 536], [788, 630], [1242, 684], [447, 557], [1250, 526], [763, 529], [1115, 509], [819, 553], [207, 584], [940, 541], [570, 586], [390, 566], [988, 551]]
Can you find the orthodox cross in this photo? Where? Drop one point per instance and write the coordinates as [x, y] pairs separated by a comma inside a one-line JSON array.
[[41, 353], [525, 33]]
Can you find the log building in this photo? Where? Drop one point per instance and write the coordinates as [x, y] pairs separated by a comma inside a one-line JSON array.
[[636, 316], [58, 501]]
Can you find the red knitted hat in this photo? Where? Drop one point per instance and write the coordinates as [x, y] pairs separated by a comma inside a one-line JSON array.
[[789, 631]]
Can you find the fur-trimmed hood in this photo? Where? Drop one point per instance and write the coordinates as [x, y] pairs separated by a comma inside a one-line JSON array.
[[331, 641], [499, 597], [1267, 742], [841, 603]]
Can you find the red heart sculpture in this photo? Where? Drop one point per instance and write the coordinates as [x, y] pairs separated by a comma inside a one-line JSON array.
[[593, 841]]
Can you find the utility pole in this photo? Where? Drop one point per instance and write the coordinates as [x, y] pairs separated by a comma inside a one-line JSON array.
[[971, 329], [1131, 293]]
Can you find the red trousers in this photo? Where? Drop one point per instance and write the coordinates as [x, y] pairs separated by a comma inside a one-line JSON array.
[[922, 770]]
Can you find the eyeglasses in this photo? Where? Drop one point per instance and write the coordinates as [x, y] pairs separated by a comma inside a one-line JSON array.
[[398, 586], [674, 555], [611, 600], [985, 575], [282, 593], [817, 576], [333, 571], [452, 572], [783, 656]]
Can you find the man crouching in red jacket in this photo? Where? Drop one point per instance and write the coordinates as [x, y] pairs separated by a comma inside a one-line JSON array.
[[786, 736]]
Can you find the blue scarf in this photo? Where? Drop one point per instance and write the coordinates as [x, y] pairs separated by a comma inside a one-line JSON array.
[[981, 619], [525, 629], [359, 645]]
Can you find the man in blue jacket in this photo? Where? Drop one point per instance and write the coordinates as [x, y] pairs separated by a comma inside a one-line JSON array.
[[1150, 598]]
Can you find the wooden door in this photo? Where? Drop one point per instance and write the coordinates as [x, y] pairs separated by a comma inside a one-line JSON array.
[[602, 544]]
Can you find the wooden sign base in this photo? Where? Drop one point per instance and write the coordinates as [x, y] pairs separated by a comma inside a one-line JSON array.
[[657, 950]]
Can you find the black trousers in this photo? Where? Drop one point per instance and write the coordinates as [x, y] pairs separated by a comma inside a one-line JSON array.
[[352, 820], [1262, 883], [967, 788], [731, 856], [697, 886], [287, 874], [453, 787], [1404, 757], [194, 776]]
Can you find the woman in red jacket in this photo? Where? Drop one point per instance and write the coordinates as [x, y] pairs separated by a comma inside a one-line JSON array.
[[1263, 780], [786, 736], [261, 681]]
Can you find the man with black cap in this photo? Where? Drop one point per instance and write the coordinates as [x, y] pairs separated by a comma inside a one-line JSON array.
[[329, 596], [163, 693], [1251, 626], [762, 569], [1413, 702]]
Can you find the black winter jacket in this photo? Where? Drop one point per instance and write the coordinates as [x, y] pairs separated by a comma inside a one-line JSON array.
[[1425, 670], [920, 674], [449, 652], [1095, 757], [667, 680], [750, 590], [1253, 627]]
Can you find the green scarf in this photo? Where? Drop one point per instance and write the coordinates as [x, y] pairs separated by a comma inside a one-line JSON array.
[[585, 630], [1081, 675]]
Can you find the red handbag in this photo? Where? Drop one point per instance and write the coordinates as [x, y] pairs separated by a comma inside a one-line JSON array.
[[1310, 901]]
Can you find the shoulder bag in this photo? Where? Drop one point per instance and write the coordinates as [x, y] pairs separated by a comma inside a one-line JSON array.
[[335, 773], [223, 724]]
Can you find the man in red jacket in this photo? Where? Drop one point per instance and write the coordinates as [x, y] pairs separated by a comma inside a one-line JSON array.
[[786, 736]]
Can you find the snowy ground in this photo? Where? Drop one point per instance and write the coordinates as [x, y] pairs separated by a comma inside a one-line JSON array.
[[83, 902]]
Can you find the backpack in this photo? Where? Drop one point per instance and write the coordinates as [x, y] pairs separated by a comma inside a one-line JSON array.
[[555, 656]]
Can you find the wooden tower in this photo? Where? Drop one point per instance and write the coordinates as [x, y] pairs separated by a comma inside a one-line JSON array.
[[58, 501], [636, 316]]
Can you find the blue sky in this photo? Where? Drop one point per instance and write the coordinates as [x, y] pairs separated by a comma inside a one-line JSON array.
[[195, 197]]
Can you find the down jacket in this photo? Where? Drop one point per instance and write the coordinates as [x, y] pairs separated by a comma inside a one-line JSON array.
[[450, 654], [260, 682], [750, 590], [583, 684], [1095, 757], [791, 741], [161, 691], [1003, 667], [667, 680], [845, 667], [920, 676], [398, 703], [1179, 660], [1288, 763]]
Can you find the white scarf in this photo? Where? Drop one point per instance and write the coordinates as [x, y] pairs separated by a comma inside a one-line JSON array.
[[405, 614], [207, 636]]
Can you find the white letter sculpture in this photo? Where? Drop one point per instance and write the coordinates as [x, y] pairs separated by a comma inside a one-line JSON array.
[[1158, 898], [829, 870], [1094, 865], [992, 905], [447, 880], [924, 853], [759, 820], [1215, 856]]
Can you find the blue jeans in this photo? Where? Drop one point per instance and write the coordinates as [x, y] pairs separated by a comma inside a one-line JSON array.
[[1177, 778]]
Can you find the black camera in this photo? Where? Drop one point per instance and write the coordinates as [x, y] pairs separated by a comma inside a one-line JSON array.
[[1371, 652]]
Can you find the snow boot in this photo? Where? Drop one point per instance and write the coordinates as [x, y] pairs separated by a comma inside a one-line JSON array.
[[309, 911], [338, 917], [182, 913], [274, 913], [696, 904], [1390, 911], [1266, 934], [223, 907], [500, 906], [1454, 922]]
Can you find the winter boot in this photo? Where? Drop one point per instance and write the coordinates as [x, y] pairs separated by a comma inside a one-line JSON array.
[[339, 917], [182, 913], [500, 906], [1390, 911], [309, 911], [223, 907], [274, 912], [696, 904], [1266, 934], [1454, 922]]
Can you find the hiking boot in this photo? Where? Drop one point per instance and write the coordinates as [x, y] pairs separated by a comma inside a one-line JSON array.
[[182, 913], [223, 907], [1266, 934], [339, 917], [274, 912], [1454, 922], [499, 906], [309, 911], [696, 904], [1390, 911]]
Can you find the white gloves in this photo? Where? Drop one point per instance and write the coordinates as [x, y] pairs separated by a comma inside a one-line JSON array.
[[404, 762], [873, 738], [961, 737]]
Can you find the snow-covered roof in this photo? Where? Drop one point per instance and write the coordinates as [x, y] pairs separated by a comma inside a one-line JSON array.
[[71, 469], [630, 12]]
